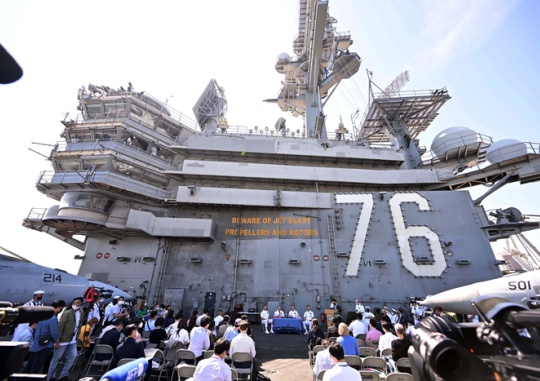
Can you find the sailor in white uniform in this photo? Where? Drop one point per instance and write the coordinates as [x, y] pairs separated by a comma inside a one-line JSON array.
[[279, 313], [293, 313], [34, 302], [308, 317], [265, 319]]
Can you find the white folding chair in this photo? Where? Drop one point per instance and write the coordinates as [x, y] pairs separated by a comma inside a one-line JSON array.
[[243, 357], [376, 363], [367, 351], [185, 371], [369, 375], [398, 376], [354, 361]]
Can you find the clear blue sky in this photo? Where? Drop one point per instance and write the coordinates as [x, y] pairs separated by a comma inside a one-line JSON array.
[[486, 53]]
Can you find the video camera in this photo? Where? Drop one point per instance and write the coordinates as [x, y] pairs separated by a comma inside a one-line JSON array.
[[12, 354], [503, 346]]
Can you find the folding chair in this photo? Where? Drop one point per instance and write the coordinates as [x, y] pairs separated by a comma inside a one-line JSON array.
[[398, 376], [124, 361], [243, 357], [361, 343], [367, 351], [376, 363], [403, 365], [185, 371], [316, 349], [369, 375], [373, 344], [159, 358], [208, 354], [354, 361], [182, 356], [386, 352], [320, 376], [234, 375], [105, 364]]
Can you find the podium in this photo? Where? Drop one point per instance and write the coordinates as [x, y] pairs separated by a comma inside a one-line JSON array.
[[329, 317]]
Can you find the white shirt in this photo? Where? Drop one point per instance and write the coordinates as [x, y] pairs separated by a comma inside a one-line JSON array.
[[218, 319], [106, 329], [199, 318], [357, 327], [230, 333], [359, 307], [243, 343], [293, 314], [385, 341], [265, 315], [308, 316], [200, 341], [182, 336], [367, 317], [94, 313], [342, 372], [111, 310], [212, 369], [279, 313], [323, 361]]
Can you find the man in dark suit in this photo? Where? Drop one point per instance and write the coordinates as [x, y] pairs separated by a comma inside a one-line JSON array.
[[334, 305], [130, 348], [111, 338]]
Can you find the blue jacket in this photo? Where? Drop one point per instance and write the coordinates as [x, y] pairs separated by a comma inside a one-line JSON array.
[[45, 328], [349, 344]]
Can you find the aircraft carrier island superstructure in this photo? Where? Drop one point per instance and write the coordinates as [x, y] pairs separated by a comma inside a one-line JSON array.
[[188, 212]]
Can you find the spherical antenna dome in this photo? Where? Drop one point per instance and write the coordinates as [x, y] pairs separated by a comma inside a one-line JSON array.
[[505, 149], [454, 138], [283, 57]]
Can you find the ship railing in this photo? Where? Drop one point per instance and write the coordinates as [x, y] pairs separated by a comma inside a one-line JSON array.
[[113, 116], [235, 130], [119, 147], [515, 150], [112, 179], [463, 143], [411, 93], [37, 214], [148, 99]]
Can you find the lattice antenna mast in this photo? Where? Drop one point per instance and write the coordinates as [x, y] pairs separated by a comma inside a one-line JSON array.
[[211, 107], [397, 84]]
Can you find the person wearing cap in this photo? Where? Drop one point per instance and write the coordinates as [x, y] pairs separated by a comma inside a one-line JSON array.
[[113, 311], [358, 306], [34, 302], [231, 331], [368, 315]]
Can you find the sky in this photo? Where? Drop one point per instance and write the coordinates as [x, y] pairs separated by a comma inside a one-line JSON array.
[[485, 52]]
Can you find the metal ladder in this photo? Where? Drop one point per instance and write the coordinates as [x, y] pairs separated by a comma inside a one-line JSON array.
[[332, 253], [171, 213]]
